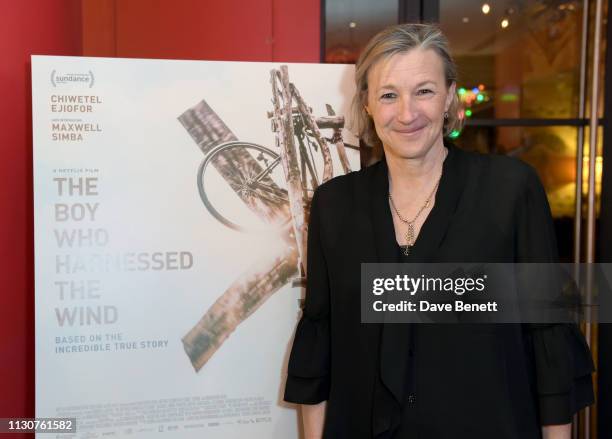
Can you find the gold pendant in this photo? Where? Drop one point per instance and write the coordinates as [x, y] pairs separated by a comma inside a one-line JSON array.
[[409, 238], [410, 235]]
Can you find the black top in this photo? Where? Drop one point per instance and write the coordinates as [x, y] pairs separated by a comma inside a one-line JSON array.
[[427, 380]]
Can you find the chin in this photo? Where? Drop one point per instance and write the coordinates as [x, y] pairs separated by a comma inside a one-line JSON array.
[[409, 150]]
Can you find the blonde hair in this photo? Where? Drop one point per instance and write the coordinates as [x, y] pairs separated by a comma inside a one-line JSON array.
[[391, 41]]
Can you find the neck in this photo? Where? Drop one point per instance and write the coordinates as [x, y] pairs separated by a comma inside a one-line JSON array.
[[417, 172]]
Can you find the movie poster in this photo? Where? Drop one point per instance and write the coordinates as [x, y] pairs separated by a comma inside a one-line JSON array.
[[171, 200]]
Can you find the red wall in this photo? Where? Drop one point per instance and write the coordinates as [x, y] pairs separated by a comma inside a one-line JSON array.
[[26, 27], [297, 30], [255, 30], [241, 30]]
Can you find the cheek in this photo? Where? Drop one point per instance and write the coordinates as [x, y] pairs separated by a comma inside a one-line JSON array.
[[384, 114], [435, 109]]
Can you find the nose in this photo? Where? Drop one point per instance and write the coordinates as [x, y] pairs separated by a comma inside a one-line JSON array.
[[406, 112]]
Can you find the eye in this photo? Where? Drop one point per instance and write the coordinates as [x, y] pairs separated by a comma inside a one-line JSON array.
[[387, 96], [424, 91]]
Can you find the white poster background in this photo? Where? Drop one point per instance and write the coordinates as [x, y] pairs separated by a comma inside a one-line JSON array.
[[146, 200]]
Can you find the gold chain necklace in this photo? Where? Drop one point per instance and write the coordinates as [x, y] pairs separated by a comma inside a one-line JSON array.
[[410, 235]]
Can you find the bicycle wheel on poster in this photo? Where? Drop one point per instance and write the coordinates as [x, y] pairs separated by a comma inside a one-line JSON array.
[[242, 185]]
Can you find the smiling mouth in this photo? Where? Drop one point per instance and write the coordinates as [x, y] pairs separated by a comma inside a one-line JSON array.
[[411, 131]]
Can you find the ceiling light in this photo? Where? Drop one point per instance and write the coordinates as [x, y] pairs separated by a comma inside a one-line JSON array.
[[485, 8], [504, 23]]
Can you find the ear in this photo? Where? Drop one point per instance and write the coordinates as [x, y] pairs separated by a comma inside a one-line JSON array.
[[367, 109], [449, 96]]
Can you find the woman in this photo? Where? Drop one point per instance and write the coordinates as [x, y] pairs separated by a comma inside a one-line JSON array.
[[427, 202]]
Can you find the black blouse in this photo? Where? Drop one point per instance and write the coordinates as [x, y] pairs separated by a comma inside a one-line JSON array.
[[427, 380]]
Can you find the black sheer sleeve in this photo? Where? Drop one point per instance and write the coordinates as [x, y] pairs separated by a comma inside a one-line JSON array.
[[309, 364], [562, 359]]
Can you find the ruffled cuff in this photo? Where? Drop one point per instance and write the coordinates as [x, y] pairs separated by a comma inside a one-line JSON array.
[[306, 390], [563, 368], [308, 380]]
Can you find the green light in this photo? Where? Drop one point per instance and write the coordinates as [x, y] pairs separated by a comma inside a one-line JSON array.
[[468, 113], [461, 91], [480, 98], [454, 134]]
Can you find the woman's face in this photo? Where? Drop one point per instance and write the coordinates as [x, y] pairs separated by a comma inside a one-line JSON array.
[[407, 98]]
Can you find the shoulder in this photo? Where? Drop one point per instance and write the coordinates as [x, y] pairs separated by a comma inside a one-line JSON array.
[[330, 199], [337, 186], [340, 199], [502, 172], [344, 187]]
